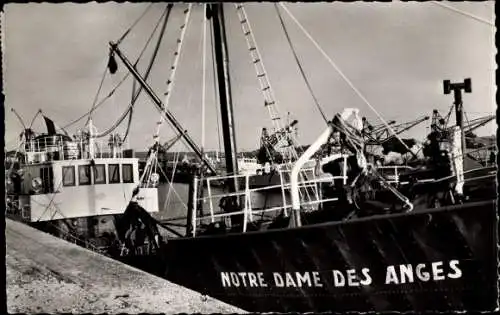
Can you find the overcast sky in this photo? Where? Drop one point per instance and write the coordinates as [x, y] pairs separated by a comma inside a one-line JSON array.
[[396, 54]]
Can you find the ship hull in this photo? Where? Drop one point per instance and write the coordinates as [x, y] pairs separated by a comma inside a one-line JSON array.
[[442, 259]]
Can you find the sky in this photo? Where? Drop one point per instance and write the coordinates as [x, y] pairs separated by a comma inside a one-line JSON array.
[[396, 54]]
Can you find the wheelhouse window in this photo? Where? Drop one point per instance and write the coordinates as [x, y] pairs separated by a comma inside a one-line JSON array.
[[127, 173], [47, 177], [84, 174], [99, 174], [68, 173], [114, 173]]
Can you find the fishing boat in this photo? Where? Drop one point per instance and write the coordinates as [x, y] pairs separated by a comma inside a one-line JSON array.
[[343, 238], [350, 241], [73, 187]]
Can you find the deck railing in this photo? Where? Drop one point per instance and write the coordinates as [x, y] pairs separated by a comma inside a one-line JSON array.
[[309, 188], [58, 148], [396, 171]]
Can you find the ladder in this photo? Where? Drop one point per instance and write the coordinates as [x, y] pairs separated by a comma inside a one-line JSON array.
[[265, 85]]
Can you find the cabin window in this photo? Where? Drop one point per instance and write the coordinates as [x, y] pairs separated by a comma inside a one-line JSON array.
[[68, 175], [114, 173], [128, 175], [99, 174], [47, 177], [84, 174]]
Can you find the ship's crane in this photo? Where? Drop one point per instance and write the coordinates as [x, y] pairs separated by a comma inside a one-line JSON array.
[[381, 134], [477, 123], [440, 124], [270, 144], [369, 130]]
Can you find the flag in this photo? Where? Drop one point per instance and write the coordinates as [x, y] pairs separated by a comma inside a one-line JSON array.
[[52, 127]]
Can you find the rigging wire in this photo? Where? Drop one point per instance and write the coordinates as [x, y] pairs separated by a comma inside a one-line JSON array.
[[170, 81], [299, 65], [203, 85], [112, 91], [18, 117], [464, 13], [136, 94], [215, 83], [100, 103], [344, 77], [33, 120], [97, 95], [134, 24]]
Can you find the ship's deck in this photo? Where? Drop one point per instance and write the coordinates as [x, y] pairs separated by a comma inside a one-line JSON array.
[[47, 274]]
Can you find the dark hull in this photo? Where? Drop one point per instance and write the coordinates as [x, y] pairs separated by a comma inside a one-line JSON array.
[[460, 241]]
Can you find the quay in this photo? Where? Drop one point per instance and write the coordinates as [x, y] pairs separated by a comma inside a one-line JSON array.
[[49, 275]]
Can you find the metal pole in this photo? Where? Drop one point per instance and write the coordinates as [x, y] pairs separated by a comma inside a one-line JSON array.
[[216, 13], [161, 107]]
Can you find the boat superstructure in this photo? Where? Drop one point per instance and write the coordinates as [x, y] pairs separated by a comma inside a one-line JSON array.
[[61, 183]]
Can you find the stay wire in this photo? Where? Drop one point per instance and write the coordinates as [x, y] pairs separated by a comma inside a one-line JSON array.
[[97, 94], [112, 91], [344, 77], [216, 100], [129, 110], [133, 25], [316, 102], [466, 14]]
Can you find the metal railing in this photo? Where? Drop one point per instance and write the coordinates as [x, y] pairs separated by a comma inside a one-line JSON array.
[[393, 178], [310, 186], [57, 148]]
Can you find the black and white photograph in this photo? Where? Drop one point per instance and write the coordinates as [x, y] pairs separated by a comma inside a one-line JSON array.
[[253, 157]]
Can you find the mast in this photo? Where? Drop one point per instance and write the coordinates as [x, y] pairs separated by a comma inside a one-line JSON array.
[[215, 12], [457, 93]]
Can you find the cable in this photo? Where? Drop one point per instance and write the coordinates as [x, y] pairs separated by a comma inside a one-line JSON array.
[[204, 66], [469, 15], [351, 85], [100, 103], [299, 65], [110, 93], [134, 24], [216, 100], [165, 14], [33, 120], [97, 95]]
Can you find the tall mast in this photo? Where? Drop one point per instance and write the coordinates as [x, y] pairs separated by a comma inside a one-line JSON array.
[[215, 11]]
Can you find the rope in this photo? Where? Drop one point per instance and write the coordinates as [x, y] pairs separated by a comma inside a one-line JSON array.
[[170, 82], [298, 64], [204, 66], [112, 91], [216, 100], [351, 85], [97, 94], [100, 103], [467, 14], [18, 117], [134, 24], [165, 14], [33, 120]]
